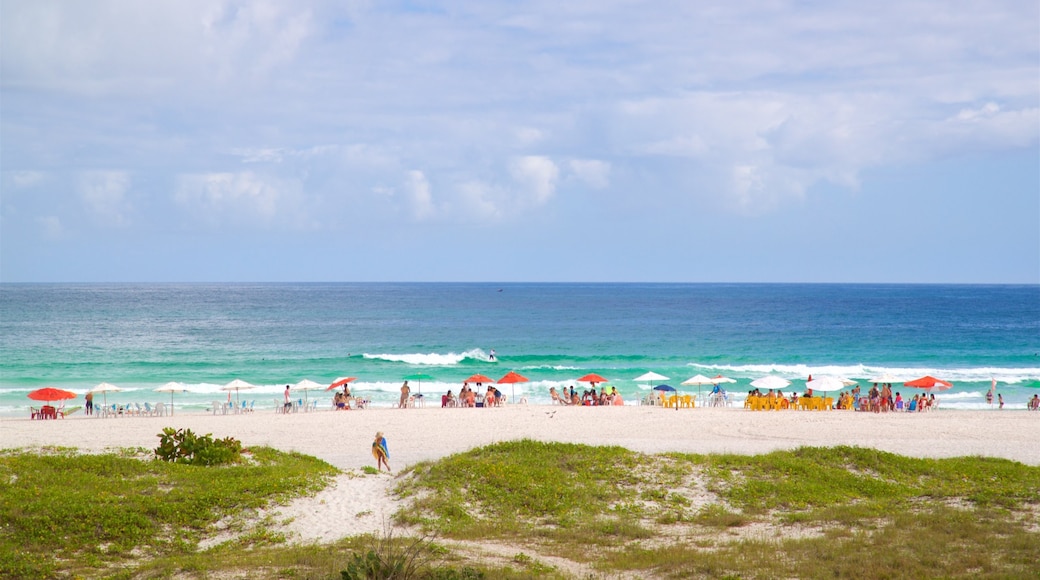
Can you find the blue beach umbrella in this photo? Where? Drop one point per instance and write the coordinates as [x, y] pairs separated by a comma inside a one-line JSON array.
[[665, 389]]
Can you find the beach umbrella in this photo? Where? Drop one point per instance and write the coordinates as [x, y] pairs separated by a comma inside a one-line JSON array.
[[51, 394], [592, 378], [667, 389], [419, 378], [885, 378], [308, 385], [771, 382], [512, 378], [929, 384], [650, 377], [172, 387], [699, 380], [826, 384], [237, 385], [104, 388], [479, 378], [340, 382]]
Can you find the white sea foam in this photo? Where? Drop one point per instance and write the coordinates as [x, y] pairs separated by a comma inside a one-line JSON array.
[[431, 359], [1010, 376]]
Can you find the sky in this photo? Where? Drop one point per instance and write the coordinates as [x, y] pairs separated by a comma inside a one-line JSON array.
[[591, 141]]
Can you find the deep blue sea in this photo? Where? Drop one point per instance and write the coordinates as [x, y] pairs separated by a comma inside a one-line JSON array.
[[140, 336]]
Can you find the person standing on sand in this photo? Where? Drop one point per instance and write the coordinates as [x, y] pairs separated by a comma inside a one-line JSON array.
[[405, 391], [90, 403], [381, 452], [1000, 400]]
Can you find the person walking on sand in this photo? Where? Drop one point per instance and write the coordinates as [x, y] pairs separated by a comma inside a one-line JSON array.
[[381, 452], [405, 391], [1000, 401]]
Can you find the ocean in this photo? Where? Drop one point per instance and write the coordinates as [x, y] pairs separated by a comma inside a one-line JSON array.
[[140, 336]]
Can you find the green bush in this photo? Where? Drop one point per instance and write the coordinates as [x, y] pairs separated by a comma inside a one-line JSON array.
[[183, 446]]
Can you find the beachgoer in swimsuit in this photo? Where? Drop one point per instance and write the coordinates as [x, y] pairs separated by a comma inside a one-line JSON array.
[[381, 452]]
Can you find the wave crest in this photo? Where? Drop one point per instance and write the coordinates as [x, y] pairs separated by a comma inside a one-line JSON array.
[[431, 359]]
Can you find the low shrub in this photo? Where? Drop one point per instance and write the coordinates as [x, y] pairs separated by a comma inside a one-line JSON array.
[[184, 446]]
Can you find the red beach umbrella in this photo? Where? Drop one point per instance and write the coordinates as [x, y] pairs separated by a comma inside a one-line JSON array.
[[512, 378], [51, 394], [928, 383], [478, 378], [592, 378], [340, 382]]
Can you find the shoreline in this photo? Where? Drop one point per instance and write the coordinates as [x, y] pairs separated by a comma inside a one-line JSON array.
[[343, 438]]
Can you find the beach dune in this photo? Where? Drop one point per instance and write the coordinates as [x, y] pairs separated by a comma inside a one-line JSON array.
[[353, 505]]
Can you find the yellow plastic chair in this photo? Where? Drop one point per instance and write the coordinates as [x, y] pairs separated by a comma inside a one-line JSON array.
[[687, 402]]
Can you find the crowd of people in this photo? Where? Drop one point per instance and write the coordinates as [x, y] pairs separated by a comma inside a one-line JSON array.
[[588, 397], [468, 397], [879, 399]]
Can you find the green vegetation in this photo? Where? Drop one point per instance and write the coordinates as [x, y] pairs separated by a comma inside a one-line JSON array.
[[812, 512], [62, 511], [599, 511], [184, 446]]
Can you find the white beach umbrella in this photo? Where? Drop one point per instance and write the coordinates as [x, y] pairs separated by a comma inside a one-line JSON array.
[[771, 382], [826, 384], [237, 385], [104, 388], [650, 377], [308, 385], [885, 378], [699, 380], [172, 387]]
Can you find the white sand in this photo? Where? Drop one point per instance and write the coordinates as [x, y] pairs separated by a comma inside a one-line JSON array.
[[358, 504]]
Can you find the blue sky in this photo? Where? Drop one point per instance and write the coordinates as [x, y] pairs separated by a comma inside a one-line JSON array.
[[520, 141]]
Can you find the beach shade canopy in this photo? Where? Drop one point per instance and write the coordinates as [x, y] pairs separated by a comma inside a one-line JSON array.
[[419, 378], [479, 378], [650, 377], [928, 383], [307, 385], [512, 378], [237, 385], [771, 382], [885, 378], [51, 394], [592, 378], [104, 389], [826, 384], [172, 387], [665, 388], [340, 382], [699, 380]]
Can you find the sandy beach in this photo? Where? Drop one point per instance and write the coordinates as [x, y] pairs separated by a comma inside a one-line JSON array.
[[360, 504]]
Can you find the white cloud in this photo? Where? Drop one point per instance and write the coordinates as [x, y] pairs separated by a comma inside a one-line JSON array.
[[536, 175], [51, 227], [104, 193], [22, 179], [593, 172], [242, 198], [420, 196]]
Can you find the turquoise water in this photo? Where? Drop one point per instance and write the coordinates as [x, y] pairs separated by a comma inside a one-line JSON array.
[[204, 335]]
